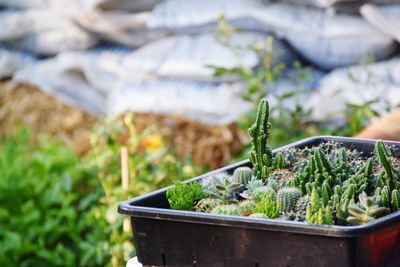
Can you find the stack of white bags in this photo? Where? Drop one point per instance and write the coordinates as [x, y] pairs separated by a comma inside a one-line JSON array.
[[109, 56]]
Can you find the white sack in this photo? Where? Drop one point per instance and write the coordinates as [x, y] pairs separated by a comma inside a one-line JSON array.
[[384, 18], [209, 103], [357, 85], [12, 60], [327, 40], [42, 31], [179, 15]]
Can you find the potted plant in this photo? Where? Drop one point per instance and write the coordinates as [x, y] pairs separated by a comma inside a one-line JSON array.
[[323, 201]]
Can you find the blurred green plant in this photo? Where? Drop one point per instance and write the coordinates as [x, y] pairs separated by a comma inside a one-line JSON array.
[[59, 210]]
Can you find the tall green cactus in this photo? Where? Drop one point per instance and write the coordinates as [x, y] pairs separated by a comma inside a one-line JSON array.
[[261, 154], [279, 161], [389, 178]]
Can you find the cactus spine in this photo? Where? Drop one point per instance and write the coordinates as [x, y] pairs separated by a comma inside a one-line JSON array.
[[261, 154]]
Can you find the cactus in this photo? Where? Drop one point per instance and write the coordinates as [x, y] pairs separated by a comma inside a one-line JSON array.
[[246, 206], [261, 154], [183, 196], [242, 175], [385, 197], [229, 209], [207, 204], [367, 210], [272, 183], [363, 179], [341, 167], [395, 200], [388, 176], [279, 161], [223, 187], [287, 198]]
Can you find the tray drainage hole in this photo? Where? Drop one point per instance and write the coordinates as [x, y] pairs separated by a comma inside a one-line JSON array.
[[163, 260], [194, 260], [256, 264]]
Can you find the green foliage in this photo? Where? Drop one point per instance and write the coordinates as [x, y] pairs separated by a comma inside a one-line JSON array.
[[184, 196], [367, 210], [252, 186], [287, 198], [243, 175], [60, 210], [47, 207], [261, 154], [268, 207]]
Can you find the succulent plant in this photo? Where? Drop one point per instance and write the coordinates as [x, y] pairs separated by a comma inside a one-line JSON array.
[[207, 204], [223, 187], [367, 210], [261, 154], [229, 209], [287, 198], [364, 178], [243, 175], [268, 207], [183, 196], [246, 206], [251, 186]]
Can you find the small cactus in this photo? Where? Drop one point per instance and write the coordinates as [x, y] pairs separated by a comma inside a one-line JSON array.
[[268, 207], [230, 209], [395, 200], [287, 198], [242, 175], [279, 161], [367, 210], [251, 186], [207, 204]]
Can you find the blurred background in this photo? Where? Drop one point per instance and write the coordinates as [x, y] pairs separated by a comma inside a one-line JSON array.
[[104, 100]]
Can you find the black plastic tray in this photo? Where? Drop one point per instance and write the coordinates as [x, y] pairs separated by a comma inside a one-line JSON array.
[[166, 237]]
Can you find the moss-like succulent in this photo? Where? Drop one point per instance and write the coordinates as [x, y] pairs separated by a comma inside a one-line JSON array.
[[207, 204], [229, 209], [223, 187], [268, 207], [367, 210], [287, 198], [183, 196], [243, 175], [261, 154]]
